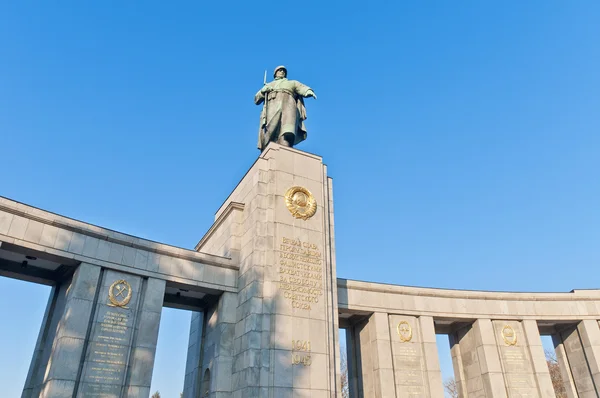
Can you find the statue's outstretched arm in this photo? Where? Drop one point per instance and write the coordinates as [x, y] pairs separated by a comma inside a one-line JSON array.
[[304, 90]]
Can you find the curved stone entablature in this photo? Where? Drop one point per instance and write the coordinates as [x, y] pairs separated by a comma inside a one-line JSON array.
[[65, 238], [495, 340], [358, 296]]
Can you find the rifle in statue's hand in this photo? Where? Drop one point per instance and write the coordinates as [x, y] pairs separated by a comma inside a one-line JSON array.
[[266, 94]]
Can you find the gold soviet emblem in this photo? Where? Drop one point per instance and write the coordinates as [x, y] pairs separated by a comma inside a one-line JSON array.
[[509, 335], [404, 331], [119, 293], [300, 202]]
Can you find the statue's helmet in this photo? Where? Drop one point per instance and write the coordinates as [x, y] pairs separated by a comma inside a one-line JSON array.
[[279, 68]]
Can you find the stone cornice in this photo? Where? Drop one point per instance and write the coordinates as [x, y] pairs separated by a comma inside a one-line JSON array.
[[56, 220], [222, 217]]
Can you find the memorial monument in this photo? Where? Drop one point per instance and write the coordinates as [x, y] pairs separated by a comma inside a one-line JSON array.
[[267, 304], [283, 114]]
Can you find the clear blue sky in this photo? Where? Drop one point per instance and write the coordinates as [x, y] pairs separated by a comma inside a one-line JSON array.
[[462, 136]]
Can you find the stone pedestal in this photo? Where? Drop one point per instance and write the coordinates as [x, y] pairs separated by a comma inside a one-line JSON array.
[[286, 330]]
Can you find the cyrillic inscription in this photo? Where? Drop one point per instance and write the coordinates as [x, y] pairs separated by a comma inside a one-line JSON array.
[[300, 272], [107, 355]]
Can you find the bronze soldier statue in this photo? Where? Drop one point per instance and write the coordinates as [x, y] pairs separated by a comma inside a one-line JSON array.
[[283, 114]]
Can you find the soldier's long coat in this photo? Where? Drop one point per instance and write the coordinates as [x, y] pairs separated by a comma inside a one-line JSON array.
[[284, 111]]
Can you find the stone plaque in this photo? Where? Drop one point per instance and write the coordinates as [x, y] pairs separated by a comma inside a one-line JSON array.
[[516, 361], [408, 357]]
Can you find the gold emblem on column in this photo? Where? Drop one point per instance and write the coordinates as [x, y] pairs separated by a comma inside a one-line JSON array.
[[509, 335], [404, 331], [119, 293], [300, 202]]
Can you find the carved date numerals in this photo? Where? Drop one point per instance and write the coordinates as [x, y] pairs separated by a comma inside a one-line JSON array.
[[300, 345], [300, 352]]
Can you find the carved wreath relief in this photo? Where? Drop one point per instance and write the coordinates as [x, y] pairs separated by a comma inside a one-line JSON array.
[[509, 336], [119, 293], [300, 202], [404, 331]]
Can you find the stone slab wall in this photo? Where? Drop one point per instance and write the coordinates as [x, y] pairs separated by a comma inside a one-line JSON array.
[[98, 349]]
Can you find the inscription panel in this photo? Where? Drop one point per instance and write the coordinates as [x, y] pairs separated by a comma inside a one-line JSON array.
[[99, 390], [108, 350], [107, 355], [407, 357], [516, 362], [300, 272]]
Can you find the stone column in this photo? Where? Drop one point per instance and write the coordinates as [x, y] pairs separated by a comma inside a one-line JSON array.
[[193, 367], [217, 349], [59, 349], [378, 379], [480, 362], [457, 364], [433, 372], [35, 377], [501, 358], [538, 358], [66, 338], [565, 368], [589, 333], [362, 341], [352, 361], [143, 348], [581, 345]]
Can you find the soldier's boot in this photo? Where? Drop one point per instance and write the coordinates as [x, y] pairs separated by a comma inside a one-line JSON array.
[[286, 139]]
